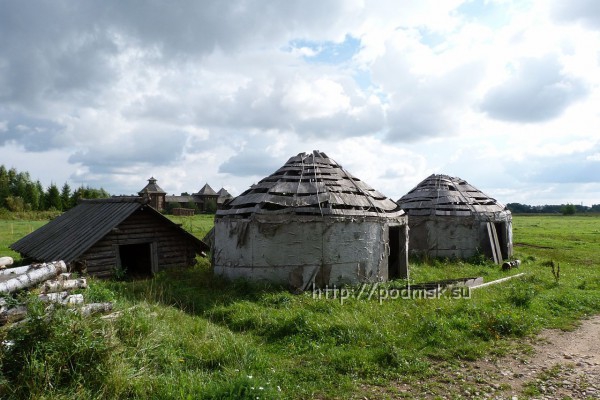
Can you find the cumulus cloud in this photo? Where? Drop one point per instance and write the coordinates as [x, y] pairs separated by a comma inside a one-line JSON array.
[[119, 153], [226, 92], [537, 90], [586, 11], [34, 134], [252, 162]]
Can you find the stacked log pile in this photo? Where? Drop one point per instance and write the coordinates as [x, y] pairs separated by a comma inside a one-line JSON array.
[[52, 284]]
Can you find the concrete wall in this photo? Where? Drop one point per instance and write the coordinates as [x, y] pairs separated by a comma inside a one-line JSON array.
[[299, 251], [453, 236]]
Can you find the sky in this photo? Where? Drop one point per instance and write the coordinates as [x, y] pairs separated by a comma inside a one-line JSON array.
[[501, 93]]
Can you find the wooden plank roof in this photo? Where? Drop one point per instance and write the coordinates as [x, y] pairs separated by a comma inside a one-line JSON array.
[[312, 184], [446, 195], [206, 191], [151, 187], [72, 233]]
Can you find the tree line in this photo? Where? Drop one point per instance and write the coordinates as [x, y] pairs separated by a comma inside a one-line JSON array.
[[19, 193], [567, 209]]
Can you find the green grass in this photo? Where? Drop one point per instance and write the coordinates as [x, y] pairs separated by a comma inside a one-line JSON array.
[[198, 225], [13, 230], [187, 334]]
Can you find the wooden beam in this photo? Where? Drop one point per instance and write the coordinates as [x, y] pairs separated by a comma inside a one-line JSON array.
[[498, 281]]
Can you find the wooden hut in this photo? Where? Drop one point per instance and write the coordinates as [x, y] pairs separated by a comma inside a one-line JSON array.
[[450, 218], [311, 222], [119, 234]]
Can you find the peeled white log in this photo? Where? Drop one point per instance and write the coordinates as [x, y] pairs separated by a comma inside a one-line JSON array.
[[23, 269], [64, 276], [57, 297], [93, 308], [4, 261], [58, 285], [15, 270], [74, 299], [62, 298], [33, 277]]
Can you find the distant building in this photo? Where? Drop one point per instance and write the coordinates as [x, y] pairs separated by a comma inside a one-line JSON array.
[[205, 200], [154, 193]]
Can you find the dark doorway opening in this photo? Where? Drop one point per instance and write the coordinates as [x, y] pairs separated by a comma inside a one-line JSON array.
[[394, 256], [136, 260], [398, 258]]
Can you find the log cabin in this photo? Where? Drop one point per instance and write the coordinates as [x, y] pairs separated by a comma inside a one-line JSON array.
[[119, 235]]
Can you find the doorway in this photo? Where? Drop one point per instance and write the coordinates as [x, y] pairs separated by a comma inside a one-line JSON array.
[[135, 260], [397, 257]]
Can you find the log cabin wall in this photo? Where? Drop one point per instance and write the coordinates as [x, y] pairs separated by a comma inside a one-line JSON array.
[[170, 248]]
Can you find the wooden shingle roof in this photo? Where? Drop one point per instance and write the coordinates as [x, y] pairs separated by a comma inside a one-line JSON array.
[[206, 191], [446, 195], [224, 193], [72, 233], [151, 187], [311, 184]]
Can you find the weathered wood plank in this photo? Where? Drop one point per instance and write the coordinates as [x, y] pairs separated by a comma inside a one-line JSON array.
[[493, 239]]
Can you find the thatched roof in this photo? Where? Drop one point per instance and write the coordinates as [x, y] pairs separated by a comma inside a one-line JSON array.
[[447, 195], [312, 184]]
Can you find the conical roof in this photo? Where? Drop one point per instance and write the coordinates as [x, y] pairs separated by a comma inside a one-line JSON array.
[[224, 193], [206, 191], [447, 195], [151, 187], [312, 184]]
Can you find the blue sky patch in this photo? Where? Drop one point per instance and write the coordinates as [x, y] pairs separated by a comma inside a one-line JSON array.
[[328, 52], [485, 12], [430, 38]]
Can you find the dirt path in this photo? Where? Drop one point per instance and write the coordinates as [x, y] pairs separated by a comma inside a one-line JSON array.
[[561, 365]]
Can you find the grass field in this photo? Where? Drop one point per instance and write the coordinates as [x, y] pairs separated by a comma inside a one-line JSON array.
[[188, 335]]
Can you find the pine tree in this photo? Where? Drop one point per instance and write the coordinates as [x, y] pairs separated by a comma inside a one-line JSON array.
[[65, 196], [53, 200]]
